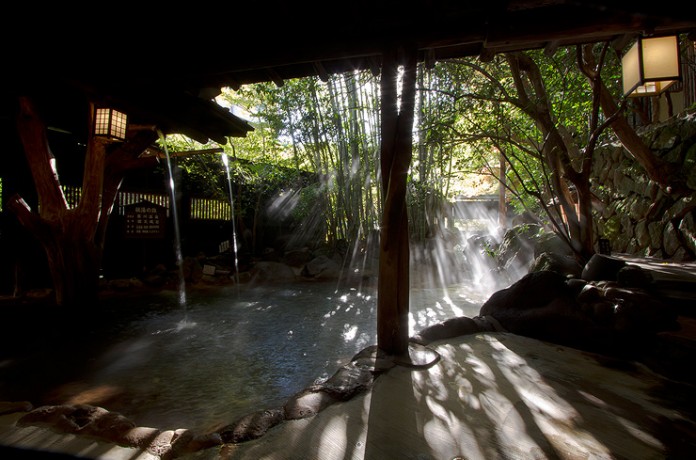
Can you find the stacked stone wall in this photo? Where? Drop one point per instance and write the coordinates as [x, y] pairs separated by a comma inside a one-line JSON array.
[[633, 212]]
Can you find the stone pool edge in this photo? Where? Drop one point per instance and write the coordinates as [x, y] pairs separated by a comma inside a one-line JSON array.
[[91, 430]]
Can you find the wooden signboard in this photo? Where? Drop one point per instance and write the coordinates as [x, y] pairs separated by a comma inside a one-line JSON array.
[[145, 220]]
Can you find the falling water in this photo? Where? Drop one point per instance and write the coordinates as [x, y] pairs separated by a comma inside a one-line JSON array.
[[177, 235], [226, 162]]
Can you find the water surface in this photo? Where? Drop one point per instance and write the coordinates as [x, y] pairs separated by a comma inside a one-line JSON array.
[[229, 352]]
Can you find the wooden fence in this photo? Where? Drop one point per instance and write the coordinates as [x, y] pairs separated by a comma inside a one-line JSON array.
[[198, 208]]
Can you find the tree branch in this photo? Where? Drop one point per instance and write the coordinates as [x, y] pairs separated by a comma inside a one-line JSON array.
[[41, 161]]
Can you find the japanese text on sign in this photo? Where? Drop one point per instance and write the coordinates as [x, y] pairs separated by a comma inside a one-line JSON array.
[[145, 221]]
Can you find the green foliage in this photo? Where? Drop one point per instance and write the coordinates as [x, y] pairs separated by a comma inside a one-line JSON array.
[[488, 120], [469, 119], [482, 125], [200, 175], [612, 228], [310, 197]]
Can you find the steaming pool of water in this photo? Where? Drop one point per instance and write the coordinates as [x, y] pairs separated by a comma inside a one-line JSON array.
[[227, 353]]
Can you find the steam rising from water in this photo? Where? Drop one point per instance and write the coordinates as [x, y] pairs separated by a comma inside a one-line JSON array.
[[184, 324]]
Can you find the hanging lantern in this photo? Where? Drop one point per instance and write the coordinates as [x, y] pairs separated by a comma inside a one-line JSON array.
[[110, 123], [651, 66]]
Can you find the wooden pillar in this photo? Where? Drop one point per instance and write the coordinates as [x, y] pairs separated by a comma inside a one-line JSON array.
[[397, 115]]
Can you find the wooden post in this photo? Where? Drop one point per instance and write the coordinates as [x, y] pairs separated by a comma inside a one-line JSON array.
[[397, 113]]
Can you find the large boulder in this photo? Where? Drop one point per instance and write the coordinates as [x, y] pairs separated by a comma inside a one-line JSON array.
[[560, 263], [620, 318], [322, 267], [297, 257], [602, 267], [542, 305], [516, 251], [270, 271]]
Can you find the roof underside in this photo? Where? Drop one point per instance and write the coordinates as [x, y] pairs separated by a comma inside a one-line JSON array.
[[165, 70]]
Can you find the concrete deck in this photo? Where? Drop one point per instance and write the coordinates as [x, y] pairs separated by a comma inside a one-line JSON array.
[[495, 396], [490, 396]]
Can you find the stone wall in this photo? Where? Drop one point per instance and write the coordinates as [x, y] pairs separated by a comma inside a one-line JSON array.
[[637, 216]]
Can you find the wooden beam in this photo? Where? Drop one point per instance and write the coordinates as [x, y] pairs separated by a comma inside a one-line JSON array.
[[275, 77], [620, 42], [184, 153], [321, 71], [429, 58], [209, 93], [188, 153], [234, 84], [486, 55], [550, 48], [374, 65]]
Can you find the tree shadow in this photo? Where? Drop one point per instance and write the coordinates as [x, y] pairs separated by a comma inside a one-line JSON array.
[[513, 396]]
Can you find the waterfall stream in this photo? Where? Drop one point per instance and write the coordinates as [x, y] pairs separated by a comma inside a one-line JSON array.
[[173, 205]]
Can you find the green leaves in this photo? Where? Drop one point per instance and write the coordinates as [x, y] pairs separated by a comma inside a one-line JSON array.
[[470, 117]]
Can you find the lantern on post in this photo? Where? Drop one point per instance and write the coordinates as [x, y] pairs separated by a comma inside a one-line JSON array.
[[651, 66], [110, 124]]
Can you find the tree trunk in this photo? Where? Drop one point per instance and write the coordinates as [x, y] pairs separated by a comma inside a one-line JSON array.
[[397, 125], [663, 173], [73, 258], [68, 236], [74, 263], [532, 99]]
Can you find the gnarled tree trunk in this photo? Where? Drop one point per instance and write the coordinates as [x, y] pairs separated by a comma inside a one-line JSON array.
[[71, 238], [533, 100]]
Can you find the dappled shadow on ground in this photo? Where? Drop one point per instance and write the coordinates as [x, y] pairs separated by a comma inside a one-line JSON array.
[[497, 395], [508, 396]]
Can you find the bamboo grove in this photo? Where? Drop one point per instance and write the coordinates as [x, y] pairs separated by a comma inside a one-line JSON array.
[[522, 126]]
